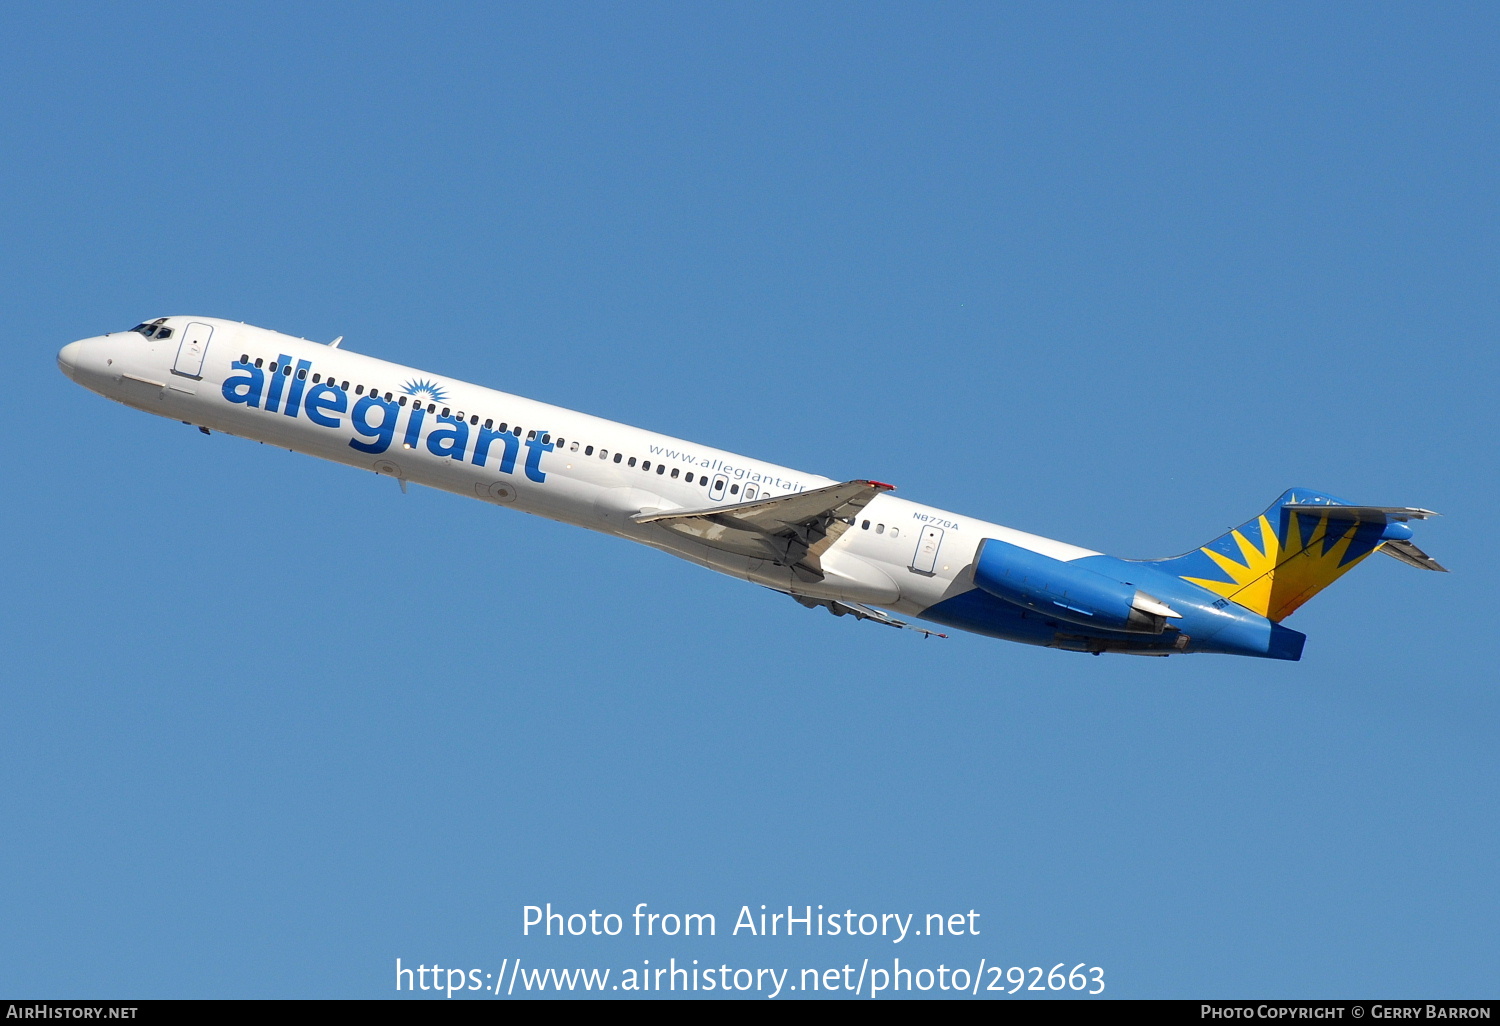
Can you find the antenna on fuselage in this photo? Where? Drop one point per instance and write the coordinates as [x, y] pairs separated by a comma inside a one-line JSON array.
[[335, 343]]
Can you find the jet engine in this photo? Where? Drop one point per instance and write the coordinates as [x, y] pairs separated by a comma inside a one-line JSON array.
[[1066, 591]]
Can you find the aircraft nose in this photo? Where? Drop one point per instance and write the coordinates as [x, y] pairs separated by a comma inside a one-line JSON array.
[[67, 359]]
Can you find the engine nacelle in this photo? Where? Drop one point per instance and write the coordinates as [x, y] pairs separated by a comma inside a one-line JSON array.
[[1066, 591]]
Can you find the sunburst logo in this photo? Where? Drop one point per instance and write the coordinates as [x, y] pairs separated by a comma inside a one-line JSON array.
[[425, 388], [1277, 576]]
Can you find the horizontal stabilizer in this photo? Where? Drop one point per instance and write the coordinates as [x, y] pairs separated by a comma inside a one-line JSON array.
[[1396, 547], [1411, 555], [1361, 513]]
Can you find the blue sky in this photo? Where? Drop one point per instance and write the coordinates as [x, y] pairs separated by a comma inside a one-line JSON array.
[[1116, 274]]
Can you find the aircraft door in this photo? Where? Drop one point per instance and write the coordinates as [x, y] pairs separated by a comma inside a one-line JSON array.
[[191, 350], [924, 560], [716, 490]]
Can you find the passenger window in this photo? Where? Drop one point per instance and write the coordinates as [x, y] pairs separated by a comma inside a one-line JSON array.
[[530, 435], [689, 477], [545, 437], [272, 367], [589, 451], [618, 457], [751, 491], [343, 386], [245, 358], [259, 361], [675, 472], [286, 371], [632, 461], [880, 529], [317, 378], [734, 489], [302, 376], [504, 427], [447, 410], [661, 468], [401, 401], [359, 389], [895, 532], [517, 431], [432, 407], [646, 465], [573, 447], [865, 526]]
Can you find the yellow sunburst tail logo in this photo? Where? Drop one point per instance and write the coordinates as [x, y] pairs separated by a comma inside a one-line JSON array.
[[1276, 562]]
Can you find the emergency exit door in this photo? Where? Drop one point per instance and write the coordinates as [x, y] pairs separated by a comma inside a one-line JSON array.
[[924, 560]]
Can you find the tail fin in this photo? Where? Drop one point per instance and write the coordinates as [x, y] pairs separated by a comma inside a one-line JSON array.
[[1302, 544]]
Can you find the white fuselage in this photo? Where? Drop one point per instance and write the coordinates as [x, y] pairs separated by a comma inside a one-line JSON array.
[[511, 451]]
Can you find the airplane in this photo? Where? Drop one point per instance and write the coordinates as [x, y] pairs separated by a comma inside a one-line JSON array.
[[850, 547]]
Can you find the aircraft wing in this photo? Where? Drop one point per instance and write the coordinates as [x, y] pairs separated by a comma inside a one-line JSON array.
[[793, 530]]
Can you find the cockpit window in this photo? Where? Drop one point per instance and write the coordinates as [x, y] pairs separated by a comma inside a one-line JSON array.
[[153, 329]]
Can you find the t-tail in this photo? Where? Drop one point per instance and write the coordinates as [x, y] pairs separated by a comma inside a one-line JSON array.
[[1302, 544]]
